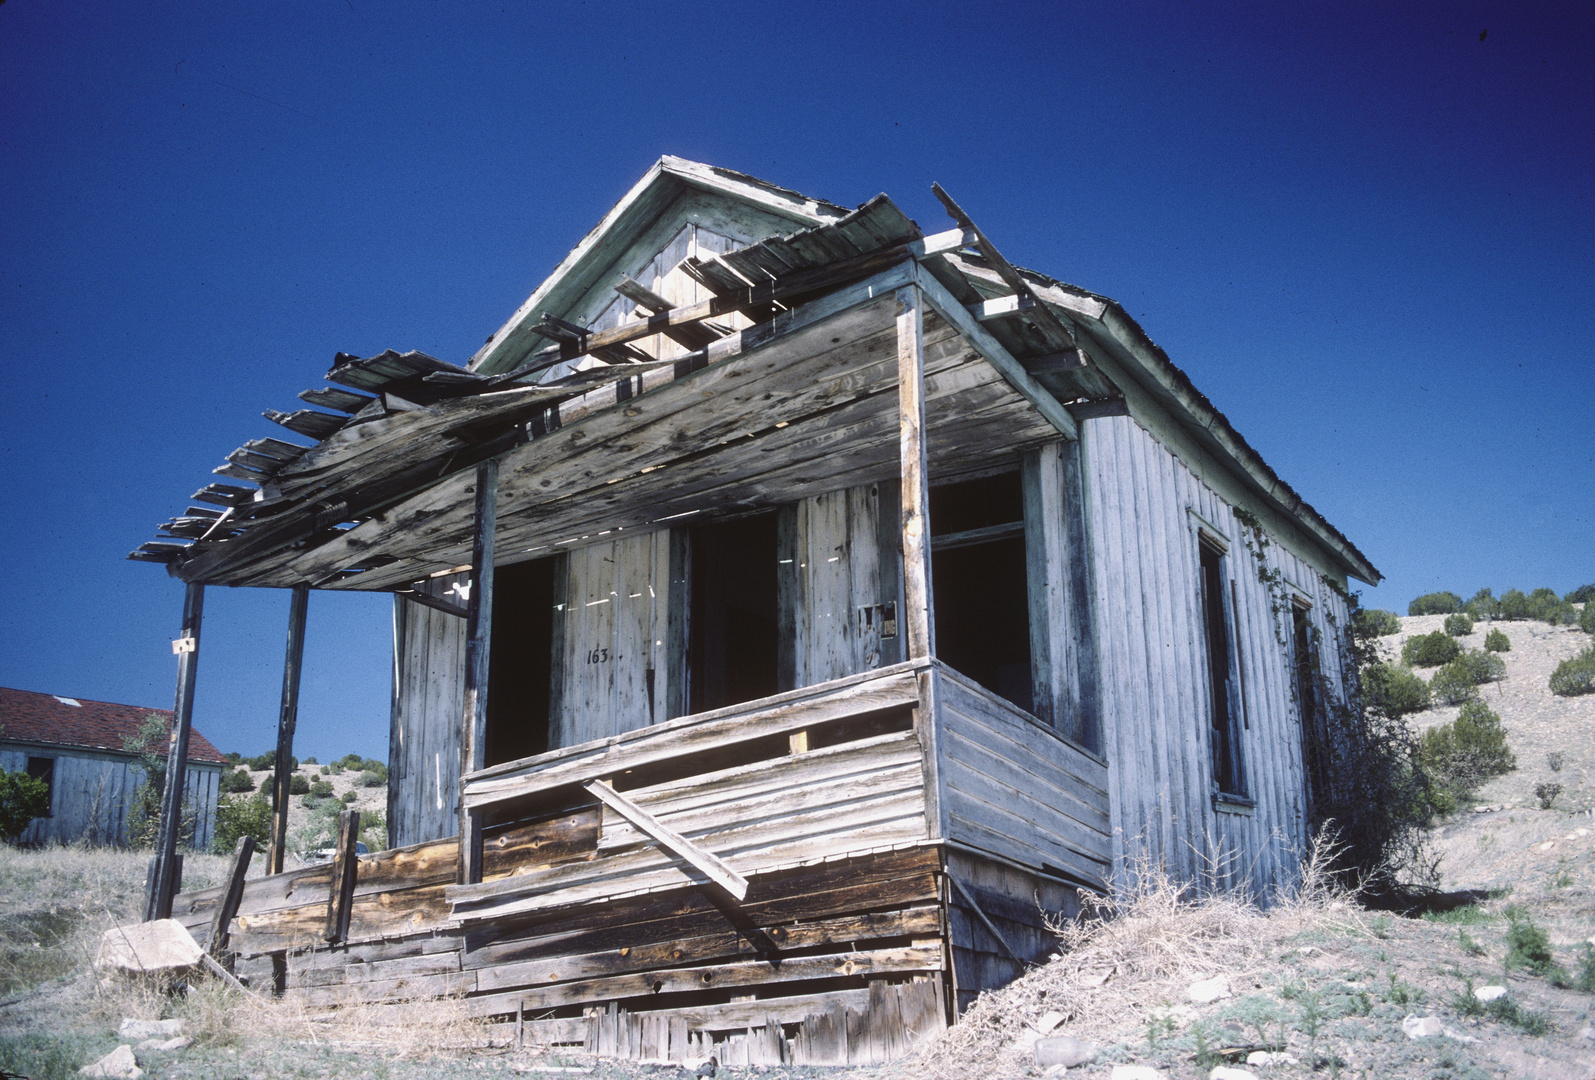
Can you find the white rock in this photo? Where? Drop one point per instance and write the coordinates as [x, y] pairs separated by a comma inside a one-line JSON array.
[[1226, 1072], [1263, 1058], [1064, 1050], [162, 945], [1308, 950], [1421, 1027], [182, 1042], [1489, 993], [1134, 1072], [149, 1029], [1548, 845], [1209, 989], [119, 1062], [1046, 1023]]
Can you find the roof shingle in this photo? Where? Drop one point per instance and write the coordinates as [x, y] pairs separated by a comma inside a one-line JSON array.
[[99, 725]]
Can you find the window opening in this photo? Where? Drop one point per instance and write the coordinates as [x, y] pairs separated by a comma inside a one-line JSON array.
[[1315, 750], [43, 768], [733, 630], [979, 585], [520, 670], [1223, 738]]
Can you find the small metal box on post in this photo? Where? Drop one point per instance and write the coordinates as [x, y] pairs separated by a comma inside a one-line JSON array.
[[164, 875]]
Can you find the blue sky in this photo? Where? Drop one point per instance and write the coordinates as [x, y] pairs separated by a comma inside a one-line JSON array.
[[1363, 231]]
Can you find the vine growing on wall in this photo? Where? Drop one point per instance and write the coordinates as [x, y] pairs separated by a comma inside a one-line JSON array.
[[1258, 542]]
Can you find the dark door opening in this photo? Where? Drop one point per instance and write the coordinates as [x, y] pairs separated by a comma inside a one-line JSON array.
[[979, 586], [519, 680], [733, 631]]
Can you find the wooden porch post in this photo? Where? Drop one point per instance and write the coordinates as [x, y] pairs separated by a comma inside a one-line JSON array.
[[287, 717], [478, 647], [919, 617], [158, 905]]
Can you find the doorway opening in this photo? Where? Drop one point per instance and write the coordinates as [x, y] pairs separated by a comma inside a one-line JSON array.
[[733, 630], [520, 672]]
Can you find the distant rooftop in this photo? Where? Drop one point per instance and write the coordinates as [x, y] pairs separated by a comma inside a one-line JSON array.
[[52, 720]]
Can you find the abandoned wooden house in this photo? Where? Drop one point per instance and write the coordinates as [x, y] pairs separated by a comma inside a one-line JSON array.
[[90, 755], [789, 605]]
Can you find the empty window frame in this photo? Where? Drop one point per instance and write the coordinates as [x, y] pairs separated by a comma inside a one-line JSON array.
[[43, 768], [978, 580], [1309, 700], [733, 633], [1229, 773], [521, 687]]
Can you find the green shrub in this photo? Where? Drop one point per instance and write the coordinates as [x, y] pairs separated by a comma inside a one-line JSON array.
[[321, 789], [1376, 622], [1435, 603], [234, 781], [1458, 625], [1481, 666], [310, 802], [1581, 595], [1394, 690], [298, 785], [335, 769], [1452, 684], [1527, 946], [1496, 641], [349, 796], [1483, 605], [352, 762], [22, 798], [1586, 618], [1430, 650], [1514, 606], [1546, 793], [238, 816], [1541, 604], [234, 758], [375, 775], [1575, 675], [1460, 756], [311, 761]]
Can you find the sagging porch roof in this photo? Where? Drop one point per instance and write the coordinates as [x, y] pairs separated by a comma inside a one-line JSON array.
[[594, 433]]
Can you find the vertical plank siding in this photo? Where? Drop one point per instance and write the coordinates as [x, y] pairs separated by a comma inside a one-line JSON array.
[[91, 797], [846, 571], [1145, 576], [424, 743]]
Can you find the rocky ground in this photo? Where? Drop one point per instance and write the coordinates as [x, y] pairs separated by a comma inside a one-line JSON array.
[[1320, 987]]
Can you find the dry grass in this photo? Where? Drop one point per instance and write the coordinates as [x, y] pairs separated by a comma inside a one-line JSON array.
[[1129, 959]]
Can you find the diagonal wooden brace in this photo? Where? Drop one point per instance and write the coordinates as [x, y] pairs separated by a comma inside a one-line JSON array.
[[706, 863]]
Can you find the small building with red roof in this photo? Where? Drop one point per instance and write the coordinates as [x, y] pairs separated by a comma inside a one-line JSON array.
[[88, 753]]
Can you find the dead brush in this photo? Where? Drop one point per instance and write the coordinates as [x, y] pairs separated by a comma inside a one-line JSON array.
[[1130, 956]]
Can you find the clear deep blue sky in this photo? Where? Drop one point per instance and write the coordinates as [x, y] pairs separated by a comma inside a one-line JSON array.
[[1364, 232]]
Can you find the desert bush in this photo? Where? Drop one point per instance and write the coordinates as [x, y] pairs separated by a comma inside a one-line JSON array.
[[1575, 675], [334, 768], [1481, 666], [1541, 604], [234, 758], [1581, 595], [352, 762], [298, 785], [237, 816], [22, 798], [234, 781], [374, 775], [1586, 618], [310, 761], [1497, 641], [1546, 793], [1460, 756], [1430, 650], [1452, 684], [1458, 625], [350, 796], [1527, 946], [1554, 759], [1483, 605], [1435, 603], [321, 789], [1394, 690], [1376, 622]]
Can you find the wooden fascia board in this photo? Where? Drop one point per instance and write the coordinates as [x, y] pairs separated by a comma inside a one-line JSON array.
[[992, 350], [648, 198], [1152, 370]]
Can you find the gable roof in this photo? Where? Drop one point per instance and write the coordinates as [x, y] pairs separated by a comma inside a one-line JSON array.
[[26, 716]]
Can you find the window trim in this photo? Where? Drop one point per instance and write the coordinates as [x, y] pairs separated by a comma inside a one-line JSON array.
[[49, 781], [1211, 541]]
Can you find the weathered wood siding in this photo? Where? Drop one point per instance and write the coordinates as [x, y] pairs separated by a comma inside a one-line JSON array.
[[996, 922], [841, 576], [1016, 789], [92, 796], [616, 670], [428, 704], [1155, 697]]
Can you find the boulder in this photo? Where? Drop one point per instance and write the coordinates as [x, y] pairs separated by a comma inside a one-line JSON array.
[[1421, 1027], [1065, 1051], [119, 1063], [1209, 990], [1489, 993], [161, 947], [182, 1042]]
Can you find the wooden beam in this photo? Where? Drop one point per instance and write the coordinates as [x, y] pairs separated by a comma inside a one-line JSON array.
[[436, 603], [227, 906], [478, 649], [345, 868], [991, 927], [163, 881], [1001, 306], [918, 617], [706, 863], [937, 296], [287, 718]]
